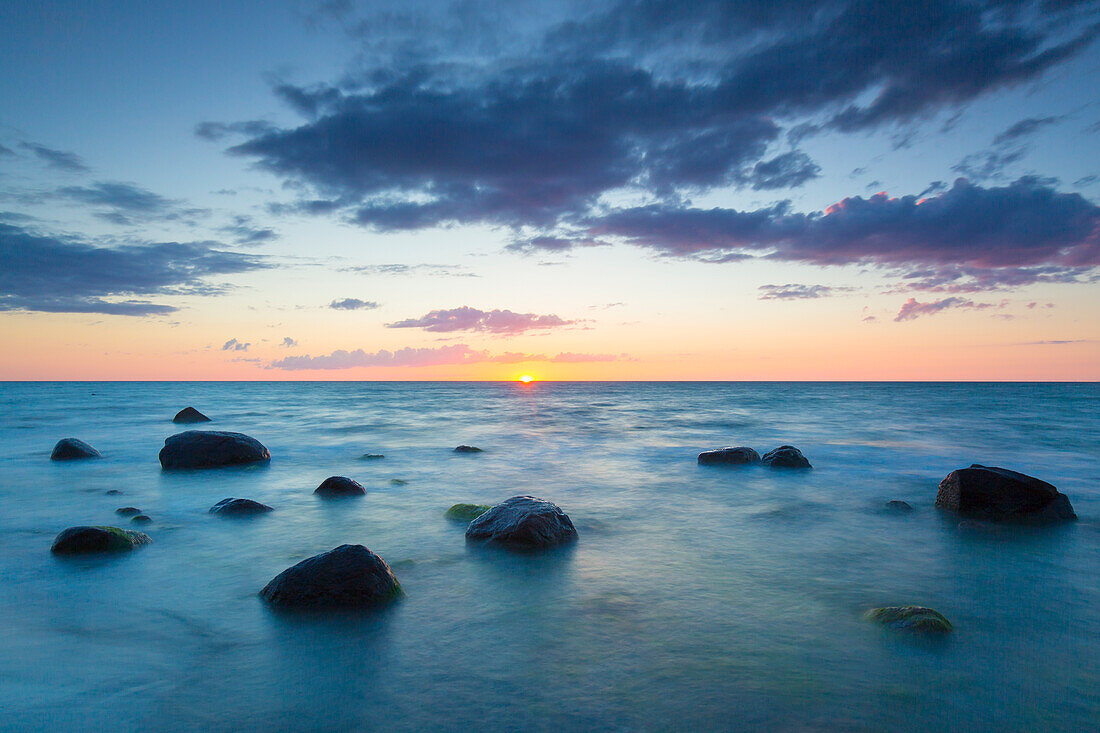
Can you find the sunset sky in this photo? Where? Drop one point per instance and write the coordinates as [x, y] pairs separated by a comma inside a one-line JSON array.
[[793, 189]]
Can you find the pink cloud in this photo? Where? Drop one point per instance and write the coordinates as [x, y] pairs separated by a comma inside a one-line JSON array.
[[472, 319]]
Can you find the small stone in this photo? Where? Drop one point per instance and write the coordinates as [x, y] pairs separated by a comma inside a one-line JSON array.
[[468, 449], [190, 415], [371, 457], [127, 511], [466, 512], [916, 619], [785, 456], [81, 540], [398, 482], [899, 506], [523, 522], [339, 486], [349, 576], [140, 519], [70, 449], [112, 492], [740, 455], [239, 508]]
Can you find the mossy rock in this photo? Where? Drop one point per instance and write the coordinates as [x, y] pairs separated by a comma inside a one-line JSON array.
[[466, 512], [917, 619], [78, 540]]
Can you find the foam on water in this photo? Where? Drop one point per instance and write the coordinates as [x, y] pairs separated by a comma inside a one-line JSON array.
[[696, 597]]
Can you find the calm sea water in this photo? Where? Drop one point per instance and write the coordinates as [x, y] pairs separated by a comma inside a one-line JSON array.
[[696, 598]]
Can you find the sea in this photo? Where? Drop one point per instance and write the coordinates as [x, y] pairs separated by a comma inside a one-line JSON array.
[[696, 597]]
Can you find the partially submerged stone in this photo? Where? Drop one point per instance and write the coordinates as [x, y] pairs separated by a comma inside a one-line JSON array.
[[70, 449], [468, 449], [998, 494], [141, 519], [339, 486], [239, 508], [349, 576], [127, 511], [398, 482], [371, 457], [903, 507], [740, 455], [81, 540], [466, 512], [916, 619], [211, 449], [524, 522], [190, 415], [785, 456]]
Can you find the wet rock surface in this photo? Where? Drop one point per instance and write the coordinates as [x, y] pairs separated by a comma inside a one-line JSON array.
[[189, 415], [998, 494], [349, 576], [739, 456], [339, 486], [71, 449], [523, 522], [211, 449], [785, 456], [239, 508], [86, 540]]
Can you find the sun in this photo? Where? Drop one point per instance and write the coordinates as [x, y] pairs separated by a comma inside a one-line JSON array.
[[526, 379]]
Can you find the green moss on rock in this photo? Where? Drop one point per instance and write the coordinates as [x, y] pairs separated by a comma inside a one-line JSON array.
[[466, 512], [917, 619]]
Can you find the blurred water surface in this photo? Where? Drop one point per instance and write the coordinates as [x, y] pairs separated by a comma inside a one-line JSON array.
[[696, 597]]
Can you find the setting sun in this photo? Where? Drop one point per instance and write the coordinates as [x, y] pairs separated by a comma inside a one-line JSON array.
[[526, 379]]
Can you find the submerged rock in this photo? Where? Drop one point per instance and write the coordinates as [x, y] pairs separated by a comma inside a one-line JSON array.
[[112, 492], [140, 519], [466, 512], [917, 619], [239, 508], [69, 449], [785, 456], [740, 455], [79, 540], [523, 521], [899, 506], [190, 415], [371, 457], [127, 511], [986, 492], [468, 449], [211, 449], [350, 576], [339, 486], [398, 482]]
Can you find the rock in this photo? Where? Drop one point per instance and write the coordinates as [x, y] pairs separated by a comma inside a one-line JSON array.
[[785, 456], [210, 449], [190, 415], [239, 508], [468, 449], [79, 540], [466, 512], [68, 449], [899, 506], [339, 486], [127, 511], [917, 619], [999, 494], [350, 576], [112, 492], [398, 482], [729, 456], [371, 457], [523, 521], [140, 519]]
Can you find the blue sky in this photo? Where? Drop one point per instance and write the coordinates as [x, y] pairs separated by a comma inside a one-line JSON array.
[[794, 189]]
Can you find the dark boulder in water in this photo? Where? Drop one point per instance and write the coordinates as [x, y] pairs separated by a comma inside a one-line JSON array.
[[339, 486], [525, 522], [140, 519], [738, 456], [190, 415], [468, 449], [899, 506], [239, 508], [785, 456], [80, 540], [211, 449], [350, 576], [371, 457], [987, 492], [68, 449], [466, 512], [127, 511], [917, 619]]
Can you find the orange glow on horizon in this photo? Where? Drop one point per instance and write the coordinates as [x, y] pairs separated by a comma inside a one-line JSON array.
[[526, 379]]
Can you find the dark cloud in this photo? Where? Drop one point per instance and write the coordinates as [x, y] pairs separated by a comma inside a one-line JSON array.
[[429, 356], [288, 343], [1009, 146], [219, 130], [1087, 180], [235, 345], [122, 196], [58, 159], [1024, 128], [62, 274], [352, 304], [471, 319], [912, 309], [793, 291], [245, 232], [789, 170]]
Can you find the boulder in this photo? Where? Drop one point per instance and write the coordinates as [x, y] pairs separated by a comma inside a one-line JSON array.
[[524, 522], [785, 456], [986, 492], [68, 449], [371, 457], [466, 512], [350, 576], [112, 492], [899, 506], [729, 457], [239, 508], [80, 540], [398, 482], [916, 619], [127, 511], [210, 449], [190, 415], [339, 486], [140, 519], [468, 449]]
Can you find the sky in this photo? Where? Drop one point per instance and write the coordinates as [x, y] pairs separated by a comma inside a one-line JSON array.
[[599, 190]]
